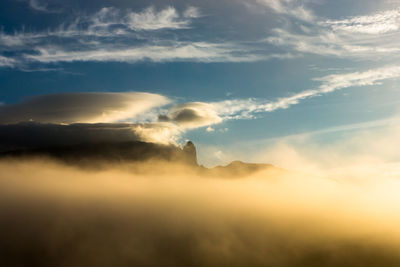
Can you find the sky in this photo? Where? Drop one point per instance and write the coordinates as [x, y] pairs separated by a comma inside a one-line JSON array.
[[237, 77]]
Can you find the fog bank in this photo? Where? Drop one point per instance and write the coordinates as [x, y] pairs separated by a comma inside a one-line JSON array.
[[157, 214]]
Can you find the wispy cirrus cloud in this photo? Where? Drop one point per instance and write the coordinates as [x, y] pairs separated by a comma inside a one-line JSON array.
[[13, 40], [200, 114], [170, 51], [248, 108], [107, 22], [168, 18], [378, 23], [40, 5], [114, 21], [367, 37], [7, 62], [292, 8], [118, 35], [113, 34]]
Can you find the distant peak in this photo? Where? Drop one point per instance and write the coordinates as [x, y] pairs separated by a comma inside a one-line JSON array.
[[190, 151], [189, 144]]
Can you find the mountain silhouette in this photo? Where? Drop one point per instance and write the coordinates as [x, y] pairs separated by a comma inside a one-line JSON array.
[[109, 152], [238, 168], [92, 154]]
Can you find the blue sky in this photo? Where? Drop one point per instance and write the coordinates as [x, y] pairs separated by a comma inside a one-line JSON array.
[[233, 76]]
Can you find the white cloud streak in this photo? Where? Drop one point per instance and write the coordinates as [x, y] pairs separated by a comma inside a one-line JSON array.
[[174, 51], [36, 5], [126, 36], [108, 22], [199, 114], [113, 21], [168, 18], [7, 62], [247, 108], [12, 40], [44, 6], [370, 37], [293, 8], [382, 22]]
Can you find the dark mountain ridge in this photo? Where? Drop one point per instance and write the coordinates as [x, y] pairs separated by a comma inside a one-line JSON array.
[[112, 152], [93, 155]]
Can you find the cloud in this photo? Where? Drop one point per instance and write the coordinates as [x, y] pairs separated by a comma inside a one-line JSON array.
[[81, 107], [38, 5], [370, 37], [87, 117], [109, 30], [88, 114], [161, 132], [167, 18], [370, 77], [247, 108], [192, 115], [32, 135], [34, 4], [192, 12], [368, 150], [175, 120], [7, 62], [200, 114], [152, 214], [115, 35], [109, 21], [293, 8], [176, 51], [12, 40], [382, 22], [35, 135]]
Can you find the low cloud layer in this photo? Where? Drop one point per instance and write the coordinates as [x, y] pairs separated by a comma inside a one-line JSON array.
[[35, 135], [155, 214], [81, 108], [38, 135]]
